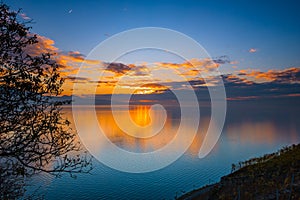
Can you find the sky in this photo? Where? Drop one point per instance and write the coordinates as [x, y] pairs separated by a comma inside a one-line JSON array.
[[260, 38], [223, 27]]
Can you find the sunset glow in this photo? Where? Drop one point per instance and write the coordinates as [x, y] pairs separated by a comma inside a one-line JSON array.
[[149, 99]]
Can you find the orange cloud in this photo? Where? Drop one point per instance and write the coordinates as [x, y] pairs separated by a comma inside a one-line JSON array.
[[241, 98], [139, 79], [252, 50], [69, 61], [151, 88], [194, 67], [290, 75], [44, 45]]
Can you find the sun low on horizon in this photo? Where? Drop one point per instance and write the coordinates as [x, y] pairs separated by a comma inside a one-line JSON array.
[[239, 61], [151, 99]]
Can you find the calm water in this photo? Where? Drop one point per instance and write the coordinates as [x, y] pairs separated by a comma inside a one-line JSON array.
[[248, 132]]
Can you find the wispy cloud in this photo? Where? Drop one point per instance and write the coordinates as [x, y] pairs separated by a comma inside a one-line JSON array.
[[24, 16], [140, 79], [290, 75], [44, 45], [252, 50], [194, 67], [118, 68], [222, 60], [69, 62]]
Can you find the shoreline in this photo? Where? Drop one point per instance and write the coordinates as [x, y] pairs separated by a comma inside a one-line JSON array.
[[272, 176], [197, 192]]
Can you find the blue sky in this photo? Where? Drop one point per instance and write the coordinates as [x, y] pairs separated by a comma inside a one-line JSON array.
[[221, 27]]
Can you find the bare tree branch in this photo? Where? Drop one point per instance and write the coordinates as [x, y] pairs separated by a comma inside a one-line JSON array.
[[34, 136]]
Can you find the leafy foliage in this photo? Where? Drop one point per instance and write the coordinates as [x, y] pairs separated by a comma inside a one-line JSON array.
[[34, 136]]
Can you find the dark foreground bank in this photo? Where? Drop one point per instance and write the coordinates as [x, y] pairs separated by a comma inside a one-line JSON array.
[[272, 176]]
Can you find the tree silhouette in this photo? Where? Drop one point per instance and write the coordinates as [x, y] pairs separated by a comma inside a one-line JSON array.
[[34, 136]]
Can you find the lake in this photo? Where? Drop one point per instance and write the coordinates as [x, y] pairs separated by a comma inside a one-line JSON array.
[[249, 131]]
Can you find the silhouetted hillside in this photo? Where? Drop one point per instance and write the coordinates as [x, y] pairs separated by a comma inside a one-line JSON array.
[[272, 176]]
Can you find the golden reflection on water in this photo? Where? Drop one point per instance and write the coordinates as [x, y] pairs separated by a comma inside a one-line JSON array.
[[243, 132], [140, 114], [260, 132]]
